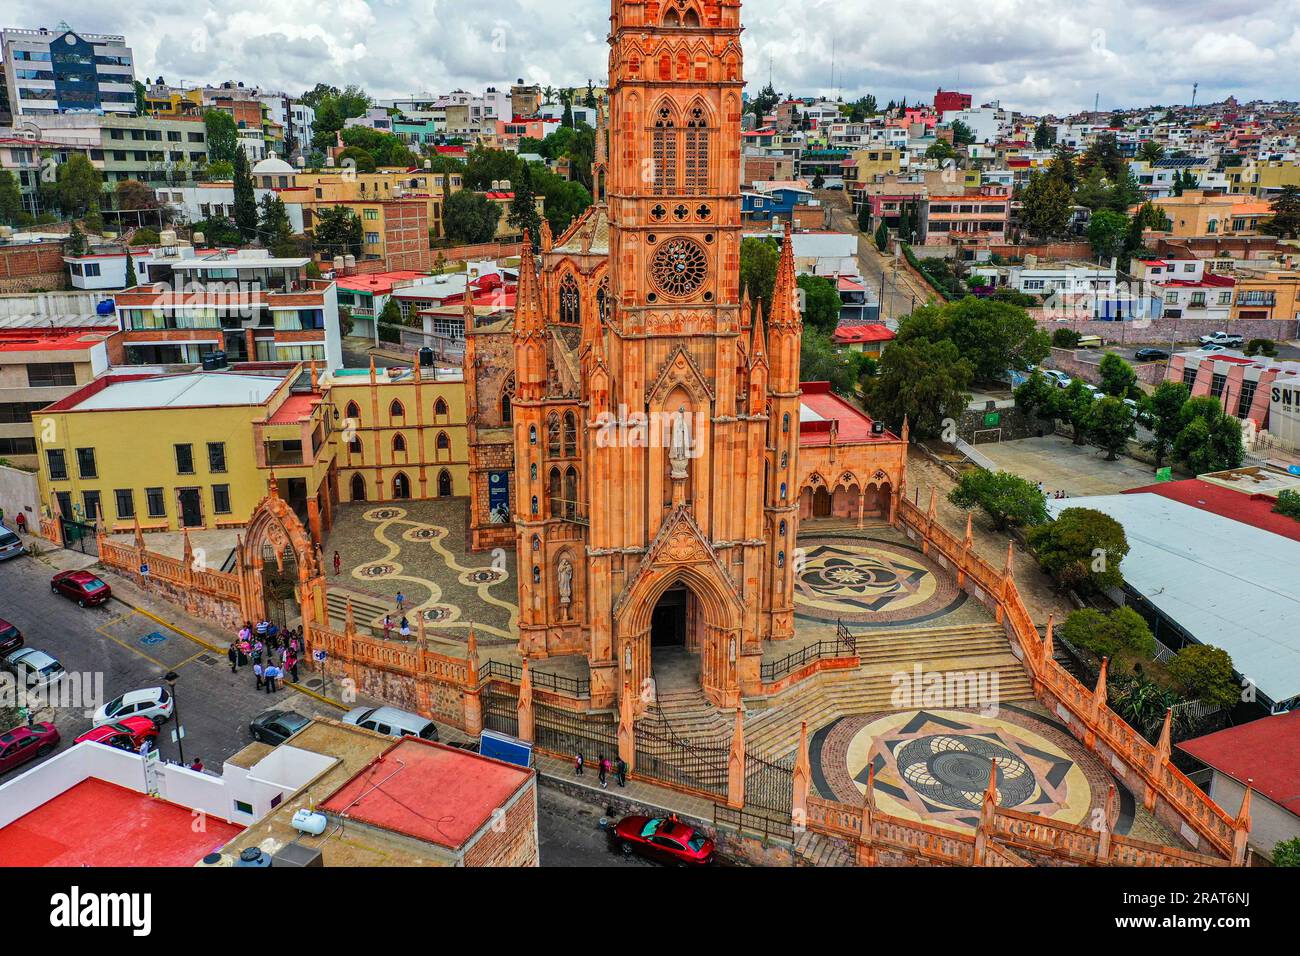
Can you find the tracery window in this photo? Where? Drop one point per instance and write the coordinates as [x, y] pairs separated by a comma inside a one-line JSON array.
[[679, 267], [570, 300], [570, 435], [696, 153], [664, 152], [553, 436], [602, 301]]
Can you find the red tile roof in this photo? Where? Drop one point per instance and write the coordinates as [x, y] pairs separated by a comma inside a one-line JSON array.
[[853, 334], [1254, 510], [1265, 752], [853, 425]]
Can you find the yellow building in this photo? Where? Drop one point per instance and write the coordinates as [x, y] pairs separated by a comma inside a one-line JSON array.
[[1269, 295], [402, 433], [1262, 179], [1198, 213], [327, 188], [164, 101], [880, 160]]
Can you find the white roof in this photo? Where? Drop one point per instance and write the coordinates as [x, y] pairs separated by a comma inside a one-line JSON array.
[[241, 260], [821, 245], [1225, 582], [197, 389]]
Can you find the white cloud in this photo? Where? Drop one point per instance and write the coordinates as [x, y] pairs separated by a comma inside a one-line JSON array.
[[1030, 54]]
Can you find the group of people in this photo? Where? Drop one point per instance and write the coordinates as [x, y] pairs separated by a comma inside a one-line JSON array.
[[1058, 493], [403, 626], [603, 769], [274, 653]]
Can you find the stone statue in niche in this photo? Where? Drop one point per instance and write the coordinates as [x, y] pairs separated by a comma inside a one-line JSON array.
[[679, 445], [564, 576]]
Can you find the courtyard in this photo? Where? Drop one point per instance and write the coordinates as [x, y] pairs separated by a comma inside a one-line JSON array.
[[1059, 464]]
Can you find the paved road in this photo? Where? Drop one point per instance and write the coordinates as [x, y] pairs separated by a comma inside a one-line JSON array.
[[130, 651], [894, 286], [570, 835]]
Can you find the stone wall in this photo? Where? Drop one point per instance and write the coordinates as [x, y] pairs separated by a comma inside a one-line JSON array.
[[1161, 332], [1013, 422], [510, 840], [1085, 364]]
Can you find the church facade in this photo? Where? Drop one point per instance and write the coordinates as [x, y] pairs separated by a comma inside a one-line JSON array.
[[640, 418]]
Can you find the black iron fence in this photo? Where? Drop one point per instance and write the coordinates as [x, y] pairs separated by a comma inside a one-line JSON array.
[[80, 536], [760, 824], [559, 731], [500, 709], [843, 645], [578, 687], [677, 762], [769, 782]]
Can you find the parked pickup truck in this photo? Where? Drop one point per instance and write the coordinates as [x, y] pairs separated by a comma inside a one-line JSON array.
[[1226, 339]]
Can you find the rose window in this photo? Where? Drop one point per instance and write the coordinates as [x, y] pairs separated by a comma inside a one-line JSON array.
[[679, 267]]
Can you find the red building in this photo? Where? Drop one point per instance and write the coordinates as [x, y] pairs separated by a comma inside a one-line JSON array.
[[949, 101]]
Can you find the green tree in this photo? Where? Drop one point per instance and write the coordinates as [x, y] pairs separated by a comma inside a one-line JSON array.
[[763, 103], [523, 208], [821, 361], [1110, 425], [1117, 376], [1044, 136], [222, 136], [470, 217], [1073, 404], [1122, 631], [1108, 233], [1205, 673], [864, 218], [245, 203], [940, 150], [994, 336], [758, 259], [1162, 415], [882, 236], [76, 242], [821, 303], [337, 232], [1007, 499], [1065, 338], [962, 135], [357, 158], [1045, 206], [276, 232], [78, 184], [145, 236], [130, 270], [1287, 852], [1285, 223], [1150, 152], [485, 166], [11, 199], [924, 380], [563, 199], [1082, 549], [385, 149], [391, 313], [1037, 396], [1209, 439]]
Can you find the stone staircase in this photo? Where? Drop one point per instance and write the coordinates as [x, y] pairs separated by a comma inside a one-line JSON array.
[[690, 715], [870, 688], [813, 849], [367, 611]]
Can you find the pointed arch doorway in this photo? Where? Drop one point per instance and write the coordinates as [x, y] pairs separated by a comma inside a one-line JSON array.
[[674, 645]]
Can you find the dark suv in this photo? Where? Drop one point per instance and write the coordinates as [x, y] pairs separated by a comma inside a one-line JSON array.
[[10, 637]]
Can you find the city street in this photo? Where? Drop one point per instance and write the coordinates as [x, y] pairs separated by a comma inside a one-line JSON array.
[[569, 833], [132, 651], [898, 292]]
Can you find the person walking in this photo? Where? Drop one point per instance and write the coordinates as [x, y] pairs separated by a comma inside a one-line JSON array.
[[620, 771], [232, 655], [338, 563], [257, 672], [603, 772], [20, 521], [388, 626], [292, 663], [578, 761], [401, 601]]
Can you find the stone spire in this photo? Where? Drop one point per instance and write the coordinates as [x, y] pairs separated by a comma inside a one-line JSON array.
[[529, 318], [785, 304]]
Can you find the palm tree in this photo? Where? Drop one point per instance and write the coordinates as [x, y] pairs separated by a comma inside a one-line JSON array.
[[1150, 151], [548, 95]]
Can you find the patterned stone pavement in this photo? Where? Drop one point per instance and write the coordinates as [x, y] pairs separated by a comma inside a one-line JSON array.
[[418, 548]]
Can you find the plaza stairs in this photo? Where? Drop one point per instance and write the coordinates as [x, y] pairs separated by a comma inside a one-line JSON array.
[[870, 688], [690, 715], [366, 608], [813, 849]]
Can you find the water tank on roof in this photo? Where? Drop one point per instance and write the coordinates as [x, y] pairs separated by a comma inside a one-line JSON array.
[[105, 307], [197, 239], [350, 262], [214, 360], [253, 856], [426, 357], [338, 263], [305, 821]]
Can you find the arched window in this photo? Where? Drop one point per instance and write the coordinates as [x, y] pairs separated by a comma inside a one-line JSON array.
[[401, 485], [354, 444], [785, 422], [352, 411], [571, 493], [553, 448], [570, 435], [440, 409], [557, 494], [534, 505], [532, 434], [507, 399], [537, 543], [532, 471], [399, 443], [444, 484], [443, 443], [664, 146], [395, 410], [780, 559], [570, 300], [781, 529], [537, 574], [358, 488], [691, 18], [695, 177], [602, 301]]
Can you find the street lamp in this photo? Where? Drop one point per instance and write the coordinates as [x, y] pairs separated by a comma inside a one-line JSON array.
[[171, 677]]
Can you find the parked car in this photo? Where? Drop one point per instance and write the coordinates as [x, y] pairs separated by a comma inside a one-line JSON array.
[[277, 726], [152, 702], [1057, 377], [1214, 348], [11, 546], [1149, 354], [82, 586], [1226, 339], [24, 743], [1093, 390], [10, 637], [665, 839], [129, 733], [391, 721], [33, 669]]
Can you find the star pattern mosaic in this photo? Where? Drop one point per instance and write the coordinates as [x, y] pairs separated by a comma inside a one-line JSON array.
[[864, 581]]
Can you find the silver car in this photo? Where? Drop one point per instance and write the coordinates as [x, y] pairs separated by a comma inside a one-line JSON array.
[[392, 722], [11, 546], [33, 669]]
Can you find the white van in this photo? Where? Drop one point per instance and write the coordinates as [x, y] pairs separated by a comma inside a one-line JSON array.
[[392, 722]]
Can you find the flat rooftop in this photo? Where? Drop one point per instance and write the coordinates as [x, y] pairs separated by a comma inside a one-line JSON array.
[[96, 823], [1264, 752], [1225, 582], [191, 390], [428, 791], [819, 406]]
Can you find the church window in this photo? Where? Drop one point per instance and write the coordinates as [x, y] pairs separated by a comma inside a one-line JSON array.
[[602, 301], [695, 177], [570, 308], [679, 267], [507, 399], [557, 494], [399, 443], [780, 559], [570, 435], [395, 410], [553, 449], [532, 434], [440, 408], [664, 152], [785, 422]]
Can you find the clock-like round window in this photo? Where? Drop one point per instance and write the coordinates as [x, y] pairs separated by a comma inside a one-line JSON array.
[[678, 267]]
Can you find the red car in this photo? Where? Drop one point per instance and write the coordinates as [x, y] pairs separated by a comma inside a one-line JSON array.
[[10, 637], [125, 734], [665, 839], [26, 743], [82, 586]]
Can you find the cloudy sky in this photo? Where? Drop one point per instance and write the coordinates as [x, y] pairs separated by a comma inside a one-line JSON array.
[[1034, 55]]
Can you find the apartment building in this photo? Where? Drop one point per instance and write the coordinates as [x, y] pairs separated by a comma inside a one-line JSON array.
[[1200, 213], [977, 217], [146, 148], [47, 72], [1274, 294], [29, 159]]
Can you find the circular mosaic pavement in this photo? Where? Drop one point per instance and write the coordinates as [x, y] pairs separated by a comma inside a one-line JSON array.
[[865, 581], [934, 765]]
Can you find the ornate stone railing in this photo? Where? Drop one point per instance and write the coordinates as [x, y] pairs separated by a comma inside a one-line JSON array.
[[1099, 728]]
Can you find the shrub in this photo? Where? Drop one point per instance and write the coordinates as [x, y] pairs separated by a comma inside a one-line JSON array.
[[1205, 673], [1288, 503], [1261, 347], [1082, 549], [1006, 498], [1065, 338], [1287, 852], [1122, 631]]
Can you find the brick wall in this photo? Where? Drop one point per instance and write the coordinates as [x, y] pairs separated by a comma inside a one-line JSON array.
[[1086, 364], [1162, 331], [512, 839], [37, 265], [1044, 250]]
